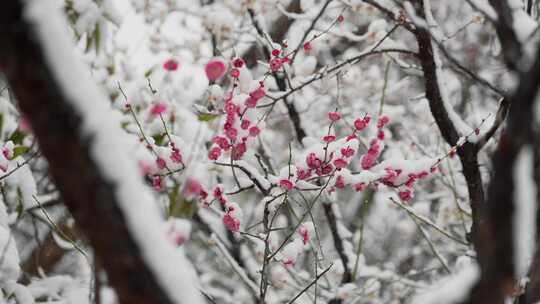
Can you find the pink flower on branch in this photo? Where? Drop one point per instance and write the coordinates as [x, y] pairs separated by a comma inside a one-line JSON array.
[[158, 108], [275, 64], [334, 116], [286, 184]]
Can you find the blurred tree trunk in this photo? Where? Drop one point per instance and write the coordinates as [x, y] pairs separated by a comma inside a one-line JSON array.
[[88, 195]]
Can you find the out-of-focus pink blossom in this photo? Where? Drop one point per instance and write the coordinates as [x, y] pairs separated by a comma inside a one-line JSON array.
[[215, 69], [232, 223], [251, 102], [360, 187], [158, 108], [383, 120], [161, 164], [170, 65], [238, 62], [235, 73], [231, 134], [222, 142], [307, 47], [303, 174], [257, 93], [340, 163], [24, 125], [340, 182], [157, 183], [347, 151], [405, 195], [245, 124], [313, 161], [254, 131], [193, 188], [368, 160], [176, 156], [214, 153], [380, 135]]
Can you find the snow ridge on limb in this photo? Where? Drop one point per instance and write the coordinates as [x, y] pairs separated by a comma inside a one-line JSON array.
[[106, 166]]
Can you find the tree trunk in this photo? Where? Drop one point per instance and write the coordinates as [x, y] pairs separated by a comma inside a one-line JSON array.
[[87, 193]]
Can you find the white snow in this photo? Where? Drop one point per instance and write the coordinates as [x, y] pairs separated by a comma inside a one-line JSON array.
[[524, 25], [485, 8], [23, 179], [442, 80], [525, 211], [171, 268], [9, 256], [452, 289]]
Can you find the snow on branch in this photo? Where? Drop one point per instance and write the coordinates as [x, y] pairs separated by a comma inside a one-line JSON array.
[[107, 198]]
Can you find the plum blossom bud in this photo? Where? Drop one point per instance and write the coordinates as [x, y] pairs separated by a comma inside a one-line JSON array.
[[286, 184], [193, 188], [235, 73], [231, 133], [254, 131], [238, 62], [258, 93], [347, 151], [368, 160], [340, 163], [383, 120], [215, 69], [231, 218], [157, 183], [307, 47], [176, 156], [214, 153], [170, 65], [340, 182], [380, 135], [7, 150], [233, 224], [329, 138], [360, 187], [290, 252], [313, 161], [239, 150], [405, 195], [222, 142], [251, 102], [161, 164], [303, 174], [334, 116], [275, 64], [306, 231], [360, 124], [245, 124], [158, 108]]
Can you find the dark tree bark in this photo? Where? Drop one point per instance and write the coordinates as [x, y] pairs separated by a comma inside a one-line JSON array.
[[495, 237], [468, 153], [87, 193], [492, 219]]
